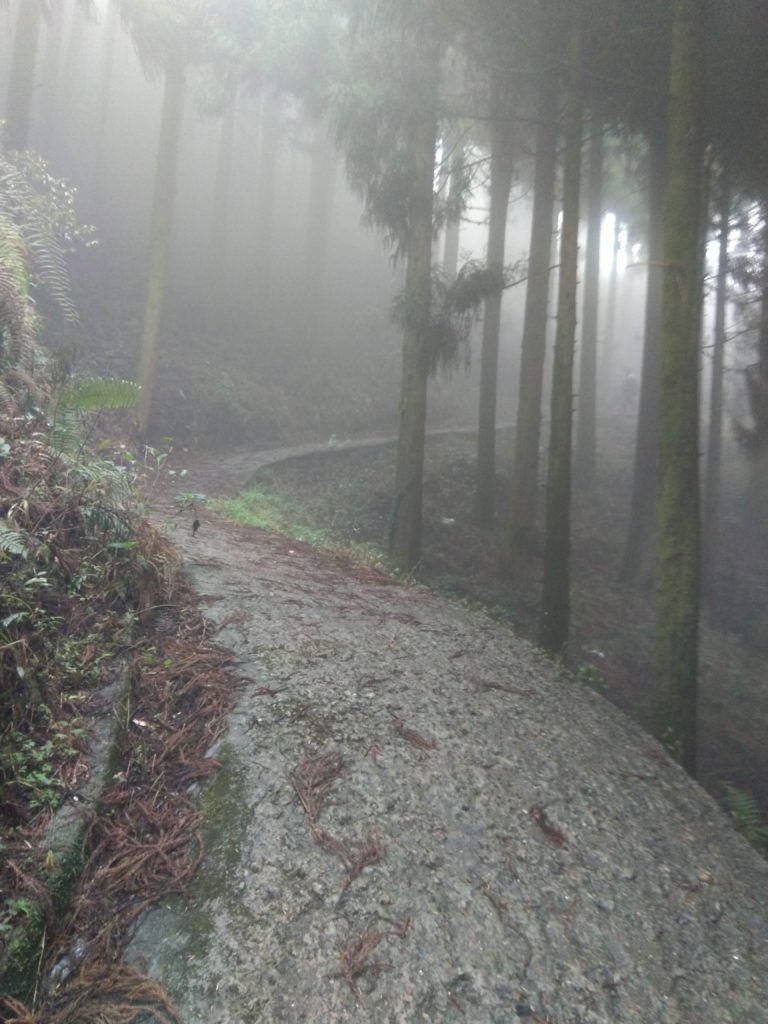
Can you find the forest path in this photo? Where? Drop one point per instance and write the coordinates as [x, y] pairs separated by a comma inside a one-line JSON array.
[[419, 819]]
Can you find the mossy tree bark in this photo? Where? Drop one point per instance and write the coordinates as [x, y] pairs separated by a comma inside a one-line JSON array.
[[161, 225], [715, 428], [676, 597], [586, 437], [502, 166], [21, 83], [555, 605], [637, 560], [405, 534], [525, 470]]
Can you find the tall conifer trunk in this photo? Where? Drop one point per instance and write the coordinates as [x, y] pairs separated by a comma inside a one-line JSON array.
[[555, 606], [607, 369], [405, 534], [22, 76], [71, 72], [715, 431], [638, 549], [221, 189], [49, 83], [674, 691], [586, 438], [106, 70], [453, 227], [525, 470], [322, 188], [269, 152], [757, 392], [160, 235], [501, 182]]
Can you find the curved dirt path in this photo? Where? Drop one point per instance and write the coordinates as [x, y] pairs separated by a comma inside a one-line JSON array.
[[418, 819]]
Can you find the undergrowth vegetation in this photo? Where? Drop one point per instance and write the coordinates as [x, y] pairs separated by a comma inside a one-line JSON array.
[[75, 571]]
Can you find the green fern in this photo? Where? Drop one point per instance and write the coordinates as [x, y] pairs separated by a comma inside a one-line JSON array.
[[746, 816], [12, 542], [99, 393]]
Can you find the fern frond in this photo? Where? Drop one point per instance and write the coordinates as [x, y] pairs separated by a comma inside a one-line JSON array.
[[746, 815], [12, 542], [65, 435], [8, 405], [98, 394], [106, 520], [41, 210]]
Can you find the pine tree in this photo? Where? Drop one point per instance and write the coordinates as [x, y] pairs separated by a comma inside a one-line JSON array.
[[555, 605], [533, 351], [676, 596], [502, 167]]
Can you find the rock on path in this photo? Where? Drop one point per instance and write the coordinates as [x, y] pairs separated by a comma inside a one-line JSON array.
[[419, 819]]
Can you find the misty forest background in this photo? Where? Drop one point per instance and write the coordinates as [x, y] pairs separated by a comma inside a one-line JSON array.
[[322, 219]]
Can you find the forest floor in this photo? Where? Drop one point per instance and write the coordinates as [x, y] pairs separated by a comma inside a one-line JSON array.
[[420, 818]]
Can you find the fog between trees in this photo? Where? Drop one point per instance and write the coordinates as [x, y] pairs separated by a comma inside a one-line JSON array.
[[301, 208]]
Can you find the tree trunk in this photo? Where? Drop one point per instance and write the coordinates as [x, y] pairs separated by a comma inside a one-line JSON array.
[[453, 227], [405, 534], [220, 214], [46, 118], [607, 383], [502, 166], [265, 211], [525, 471], [586, 439], [104, 90], [715, 431], [555, 607], [161, 224], [71, 74], [322, 188], [676, 604], [638, 550], [21, 83], [757, 451]]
